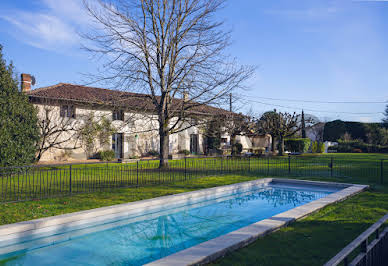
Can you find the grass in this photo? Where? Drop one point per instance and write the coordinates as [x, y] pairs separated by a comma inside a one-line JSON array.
[[50, 181], [27, 210], [315, 239], [310, 241]]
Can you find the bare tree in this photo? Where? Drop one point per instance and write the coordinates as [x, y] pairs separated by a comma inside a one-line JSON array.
[[234, 125], [317, 131], [165, 48], [280, 125], [55, 131], [267, 125]]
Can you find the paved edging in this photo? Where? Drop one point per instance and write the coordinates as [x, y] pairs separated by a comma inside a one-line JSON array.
[[210, 250]]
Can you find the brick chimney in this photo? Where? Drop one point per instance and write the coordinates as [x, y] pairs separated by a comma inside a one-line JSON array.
[[185, 96], [26, 82]]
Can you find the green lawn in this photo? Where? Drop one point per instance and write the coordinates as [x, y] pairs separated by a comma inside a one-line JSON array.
[[27, 210], [50, 181], [310, 241]]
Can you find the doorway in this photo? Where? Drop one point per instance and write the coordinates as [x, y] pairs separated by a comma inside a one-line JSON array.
[[194, 143], [117, 145]]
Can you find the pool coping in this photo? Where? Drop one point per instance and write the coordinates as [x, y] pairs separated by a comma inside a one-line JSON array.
[[199, 254]]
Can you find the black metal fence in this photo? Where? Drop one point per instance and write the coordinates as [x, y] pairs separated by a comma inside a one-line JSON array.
[[37, 182], [371, 248]]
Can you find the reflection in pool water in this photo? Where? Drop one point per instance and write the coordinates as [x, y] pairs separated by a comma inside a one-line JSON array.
[[139, 242]]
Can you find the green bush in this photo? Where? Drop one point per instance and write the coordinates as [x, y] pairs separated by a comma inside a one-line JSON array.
[[350, 146], [108, 155], [153, 153], [317, 147], [19, 133], [321, 147], [297, 145], [238, 148], [185, 152], [314, 147]]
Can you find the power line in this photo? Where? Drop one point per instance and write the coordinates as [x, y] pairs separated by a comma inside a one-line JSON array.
[[313, 110], [311, 101]]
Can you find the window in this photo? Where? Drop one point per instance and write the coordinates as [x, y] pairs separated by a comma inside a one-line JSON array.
[[224, 140], [67, 111], [118, 115]]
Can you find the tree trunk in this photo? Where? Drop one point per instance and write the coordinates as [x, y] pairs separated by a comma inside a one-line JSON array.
[[281, 148], [273, 145], [232, 144], [164, 139]]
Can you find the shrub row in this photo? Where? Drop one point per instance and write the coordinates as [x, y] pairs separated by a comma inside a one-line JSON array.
[[358, 146], [318, 147], [297, 145], [108, 155]]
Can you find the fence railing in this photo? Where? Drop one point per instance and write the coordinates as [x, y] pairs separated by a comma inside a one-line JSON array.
[[37, 182], [374, 253]]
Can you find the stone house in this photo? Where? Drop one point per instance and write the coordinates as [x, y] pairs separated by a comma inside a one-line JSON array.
[[131, 114]]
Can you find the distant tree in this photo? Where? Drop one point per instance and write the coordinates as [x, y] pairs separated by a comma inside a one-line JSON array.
[[385, 119], [317, 131], [212, 131], [303, 122], [19, 132], [286, 126], [280, 126], [346, 137], [357, 130], [377, 134], [334, 130], [236, 124], [267, 125]]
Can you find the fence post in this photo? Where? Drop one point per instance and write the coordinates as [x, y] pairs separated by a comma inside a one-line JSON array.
[[364, 246], [331, 166], [222, 160], [70, 189], [382, 171], [185, 169], [289, 164], [249, 164], [268, 166], [137, 173]]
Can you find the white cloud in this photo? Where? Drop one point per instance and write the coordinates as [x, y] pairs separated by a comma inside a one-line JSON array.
[[54, 27]]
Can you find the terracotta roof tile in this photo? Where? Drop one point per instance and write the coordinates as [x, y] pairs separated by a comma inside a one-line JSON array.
[[135, 101]]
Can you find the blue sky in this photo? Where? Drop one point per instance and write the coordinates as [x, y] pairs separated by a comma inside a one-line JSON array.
[[304, 50]]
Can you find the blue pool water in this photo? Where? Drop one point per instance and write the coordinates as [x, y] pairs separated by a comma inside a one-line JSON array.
[[148, 237]]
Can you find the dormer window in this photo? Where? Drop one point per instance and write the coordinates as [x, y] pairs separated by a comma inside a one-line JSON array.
[[67, 111], [118, 115]]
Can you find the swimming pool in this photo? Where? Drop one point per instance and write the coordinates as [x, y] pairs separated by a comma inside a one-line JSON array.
[[142, 235]]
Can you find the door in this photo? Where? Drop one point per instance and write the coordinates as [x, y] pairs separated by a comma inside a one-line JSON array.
[[194, 143], [117, 145]]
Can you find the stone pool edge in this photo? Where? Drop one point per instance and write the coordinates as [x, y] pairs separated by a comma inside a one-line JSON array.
[[215, 248]]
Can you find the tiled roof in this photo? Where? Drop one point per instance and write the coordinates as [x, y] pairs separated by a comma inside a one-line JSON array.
[[92, 95]]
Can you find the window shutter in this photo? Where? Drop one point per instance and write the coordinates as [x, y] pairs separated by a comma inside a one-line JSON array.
[[72, 108], [62, 111]]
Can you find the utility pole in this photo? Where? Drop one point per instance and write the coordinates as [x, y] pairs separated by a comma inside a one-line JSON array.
[[303, 126], [230, 102]]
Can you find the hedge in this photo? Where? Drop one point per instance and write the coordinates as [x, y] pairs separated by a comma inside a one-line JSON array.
[[297, 145], [357, 146]]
